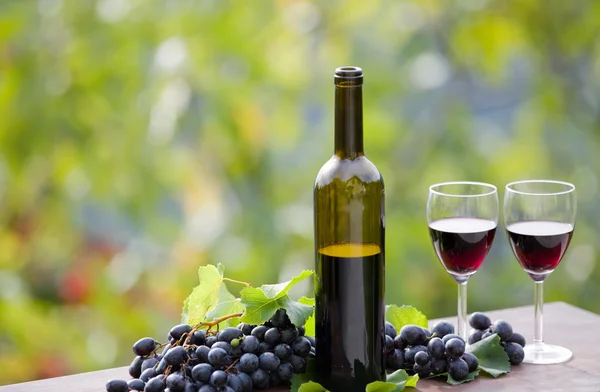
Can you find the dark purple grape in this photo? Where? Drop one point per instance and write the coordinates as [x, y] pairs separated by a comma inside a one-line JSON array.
[[210, 340], [149, 363], [250, 344], [264, 347], [135, 369], [438, 366], [421, 358], [117, 386], [136, 384], [176, 356], [451, 336], [228, 334], [471, 360], [223, 345], [479, 321], [458, 369], [148, 374], [218, 379], [395, 359], [202, 372], [413, 335], [202, 353], [285, 371], [503, 329], [442, 329], [284, 351], [390, 330], [298, 363], [455, 348], [289, 334], [518, 338], [272, 336], [155, 385], [246, 382], [177, 331], [198, 338], [235, 383], [268, 362], [515, 353], [259, 332], [260, 379], [436, 348], [144, 347], [218, 357], [301, 346], [176, 382], [248, 363], [475, 336]]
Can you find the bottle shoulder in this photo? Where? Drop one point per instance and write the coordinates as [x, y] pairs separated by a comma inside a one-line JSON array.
[[345, 169]]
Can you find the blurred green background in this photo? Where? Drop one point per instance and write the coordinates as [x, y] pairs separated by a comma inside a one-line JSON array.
[[141, 139]]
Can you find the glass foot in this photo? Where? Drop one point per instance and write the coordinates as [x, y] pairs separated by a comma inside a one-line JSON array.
[[546, 354]]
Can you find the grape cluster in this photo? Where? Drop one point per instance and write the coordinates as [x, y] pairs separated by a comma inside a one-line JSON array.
[[512, 342], [428, 353], [231, 360]]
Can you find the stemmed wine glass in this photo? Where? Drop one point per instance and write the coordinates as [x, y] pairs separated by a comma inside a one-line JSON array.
[[462, 218], [539, 216]]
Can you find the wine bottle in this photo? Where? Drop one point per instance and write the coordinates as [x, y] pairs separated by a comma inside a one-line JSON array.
[[349, 250]]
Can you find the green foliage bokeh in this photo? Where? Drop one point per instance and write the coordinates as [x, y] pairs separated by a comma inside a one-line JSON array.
[[140, 139]]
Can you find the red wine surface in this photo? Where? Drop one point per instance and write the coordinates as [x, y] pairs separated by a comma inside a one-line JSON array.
[[539, 245], [461, 244]]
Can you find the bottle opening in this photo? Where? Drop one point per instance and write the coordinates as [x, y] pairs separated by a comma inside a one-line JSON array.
[[348, 76]]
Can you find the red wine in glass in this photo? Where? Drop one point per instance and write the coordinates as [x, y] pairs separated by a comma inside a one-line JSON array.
[[462, 243], [539, 245]]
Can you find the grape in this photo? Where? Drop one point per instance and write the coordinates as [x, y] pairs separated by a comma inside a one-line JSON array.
[[117, 386], [438, 365], [190, 387], [284, 351], [389, 343], [436, 347], [218, 379], [458, 369], [144, 347], [272, 336], [264, 347], [280, 319], [515, 353], [155, 385], [285, 371], [207, 388], [211, 340], [451, 336], [136, 384], [422, 370], [226, 388], [148, 374], [313, 352], [202, 372], [409, 354], [234, 383], [479, 320], [162, 366], [228, 334], [247, 329], [148, 363], [223, 345], [399, 343], [274, 379], [517, 338], [301, 346], [246, 382], [298, 363], [288, 335], [218, 357], [421, 358], [503, 329], [301, 330], [311, 340], [250, 344], [471, 360], [259, 332], [176, 382], [198, 338], [260, 379], [135, 369], [395, 359], [177, 331], [455, 348], [268, 361], [413, 335], [166, 348], [442, 329], [235, 342], [175, 356], [202, 353], [236, 352], [248, 363], [475, 336], [390, 330]]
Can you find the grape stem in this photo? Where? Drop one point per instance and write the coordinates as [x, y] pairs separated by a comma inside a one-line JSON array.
[[237, 281], [208, 324], [232, 365]]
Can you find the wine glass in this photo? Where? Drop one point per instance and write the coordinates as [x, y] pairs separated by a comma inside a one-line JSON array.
[[462, 218], [539, 216]]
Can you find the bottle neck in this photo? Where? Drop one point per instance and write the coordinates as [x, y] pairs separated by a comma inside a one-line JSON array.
[[348, 122]]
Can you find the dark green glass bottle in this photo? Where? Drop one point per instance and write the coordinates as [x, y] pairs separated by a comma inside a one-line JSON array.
[[349, 249]]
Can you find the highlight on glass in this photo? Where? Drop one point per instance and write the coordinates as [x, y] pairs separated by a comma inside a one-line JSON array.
[[462, 219], [539, 216]]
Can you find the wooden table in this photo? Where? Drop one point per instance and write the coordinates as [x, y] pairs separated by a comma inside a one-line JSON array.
[[565, 325]]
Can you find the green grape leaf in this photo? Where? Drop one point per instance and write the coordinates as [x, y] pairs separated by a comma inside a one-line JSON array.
[[470, 377], [301, 379], [312, 386], [262, 302], [309, 325], [492, 358], [204, 296], [395, 382], [400, 316], [273, 291], [226, 304]]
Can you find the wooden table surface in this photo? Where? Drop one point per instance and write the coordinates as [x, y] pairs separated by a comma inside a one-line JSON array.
[[565, 325]]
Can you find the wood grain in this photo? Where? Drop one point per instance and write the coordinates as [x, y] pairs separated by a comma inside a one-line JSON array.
[[562, 324]]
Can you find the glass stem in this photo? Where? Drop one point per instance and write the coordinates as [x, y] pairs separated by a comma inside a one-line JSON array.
[[538, 306], [462, 310]]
